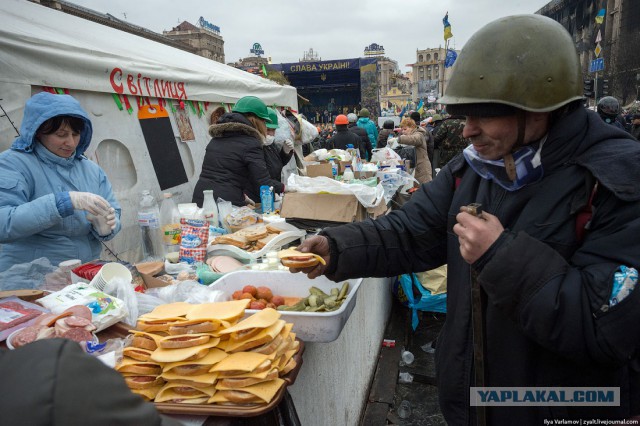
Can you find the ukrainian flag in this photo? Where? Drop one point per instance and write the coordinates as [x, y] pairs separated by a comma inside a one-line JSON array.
[[447, 27], [600, 16]]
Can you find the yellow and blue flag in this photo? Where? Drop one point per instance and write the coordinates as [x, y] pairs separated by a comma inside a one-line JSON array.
[[421, 106], [447, 27], [600, 16]]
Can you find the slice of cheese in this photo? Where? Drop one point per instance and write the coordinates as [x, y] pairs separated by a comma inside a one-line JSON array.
[[214, 356], [266, 335], [129, 365], [246, 375], [265, 390], [283, 254], [181, 354], [168, 392], [172, 396], [137, 353], [169, 310], [261, 319], [208, 378], [223, 311], [155, 337], [149, 394], [240, 361]]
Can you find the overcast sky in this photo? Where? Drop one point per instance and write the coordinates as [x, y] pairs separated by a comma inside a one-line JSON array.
[[334, 29]]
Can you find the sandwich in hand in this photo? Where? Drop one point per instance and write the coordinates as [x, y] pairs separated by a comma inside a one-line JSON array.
[[292, 258]]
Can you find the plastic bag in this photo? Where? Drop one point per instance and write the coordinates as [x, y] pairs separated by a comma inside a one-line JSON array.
[[413, 295], [383, 155], [147, 302], [224, 209], [106, 309], [109, 352], [188, 291], [26, 275], [123, 290], [367, 196], [241, 217], [176, 268]]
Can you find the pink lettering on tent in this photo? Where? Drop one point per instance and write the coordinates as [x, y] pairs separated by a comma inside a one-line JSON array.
[[132, 85], [119, 89]]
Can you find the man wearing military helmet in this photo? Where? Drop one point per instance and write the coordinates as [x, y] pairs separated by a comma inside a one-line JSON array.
[[541, 293]]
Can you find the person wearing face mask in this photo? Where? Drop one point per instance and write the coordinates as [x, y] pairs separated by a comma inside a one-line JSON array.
[[275, 158], [54, 202], [233, 164], [542, 274]]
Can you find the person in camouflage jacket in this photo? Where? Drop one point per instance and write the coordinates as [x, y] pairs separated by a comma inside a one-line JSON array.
[[448, 139]]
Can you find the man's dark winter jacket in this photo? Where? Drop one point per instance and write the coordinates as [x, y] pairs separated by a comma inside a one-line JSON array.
[[233, 161], [344, 137], [52, 382], [547, 318], [365, 144]]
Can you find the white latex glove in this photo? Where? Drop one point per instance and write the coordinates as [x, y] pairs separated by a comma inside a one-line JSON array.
[[288, 146], [103, 225], [91, 203]]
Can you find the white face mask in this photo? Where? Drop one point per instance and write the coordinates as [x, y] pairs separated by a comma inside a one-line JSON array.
[[269, 139]]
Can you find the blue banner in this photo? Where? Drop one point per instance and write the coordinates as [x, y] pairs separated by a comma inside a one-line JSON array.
[[450, 58]]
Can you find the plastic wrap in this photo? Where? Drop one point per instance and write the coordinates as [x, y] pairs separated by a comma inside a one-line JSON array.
[[187, 291], [368, 196], [29, 275]]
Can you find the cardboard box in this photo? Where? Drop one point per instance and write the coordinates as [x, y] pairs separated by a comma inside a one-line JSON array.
[[341, 166], [328, 207], [364, 175], [322, 169], [148, 272]]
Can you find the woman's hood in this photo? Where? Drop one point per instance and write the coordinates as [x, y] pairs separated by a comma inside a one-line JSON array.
[[43, 106]]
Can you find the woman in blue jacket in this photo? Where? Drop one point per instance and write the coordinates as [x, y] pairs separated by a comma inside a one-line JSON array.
[[54, 202]]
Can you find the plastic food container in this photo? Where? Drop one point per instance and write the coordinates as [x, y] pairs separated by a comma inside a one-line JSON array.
[[289, 234], [308, 326]]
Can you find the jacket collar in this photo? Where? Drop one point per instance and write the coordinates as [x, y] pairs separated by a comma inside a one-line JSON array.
[[50, 158]]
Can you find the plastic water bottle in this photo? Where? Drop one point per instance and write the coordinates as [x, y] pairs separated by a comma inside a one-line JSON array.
[[170, 224], [404, 409], [334, 168], [407, 358], [356, 161], [347, 176], [149, 222]]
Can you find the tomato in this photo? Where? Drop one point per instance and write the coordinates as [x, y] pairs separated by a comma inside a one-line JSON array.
[[257, 305], [237, 295], [264, 293], [249, 289], [277, 300]]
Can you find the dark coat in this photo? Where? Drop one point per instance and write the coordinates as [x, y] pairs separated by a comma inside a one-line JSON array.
[[365, 144], [544, 320], [52, 382], [342, 138], [383, 136], [275, 159], [233, 161]]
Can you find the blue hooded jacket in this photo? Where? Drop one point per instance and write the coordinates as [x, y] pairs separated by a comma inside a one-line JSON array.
[[371, 128], [37, 218]]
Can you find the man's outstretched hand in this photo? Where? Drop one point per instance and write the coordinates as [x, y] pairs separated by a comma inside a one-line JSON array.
[[320, 246]]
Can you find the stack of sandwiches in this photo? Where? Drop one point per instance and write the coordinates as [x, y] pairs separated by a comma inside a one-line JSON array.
[[249, 239], [204, 354]]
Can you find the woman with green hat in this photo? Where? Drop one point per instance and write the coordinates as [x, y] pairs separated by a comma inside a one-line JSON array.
[[234, 160]]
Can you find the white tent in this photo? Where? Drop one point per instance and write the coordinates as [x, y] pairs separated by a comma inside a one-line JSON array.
[[42, 47]]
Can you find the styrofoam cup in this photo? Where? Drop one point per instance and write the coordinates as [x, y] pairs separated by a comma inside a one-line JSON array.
[[108, 272]]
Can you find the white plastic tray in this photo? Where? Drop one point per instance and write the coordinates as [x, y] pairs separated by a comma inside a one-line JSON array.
[[289, 234], [308, 326]]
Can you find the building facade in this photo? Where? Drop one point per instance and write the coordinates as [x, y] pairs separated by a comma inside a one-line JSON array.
[[205, 39], [619, 44], [429, 75]]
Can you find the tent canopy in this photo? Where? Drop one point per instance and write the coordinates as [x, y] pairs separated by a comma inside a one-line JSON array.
[[41, 46]]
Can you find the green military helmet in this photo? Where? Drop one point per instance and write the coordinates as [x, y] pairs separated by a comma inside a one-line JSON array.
[[523, 61], [273, 116], [364, 113], [253, 105]]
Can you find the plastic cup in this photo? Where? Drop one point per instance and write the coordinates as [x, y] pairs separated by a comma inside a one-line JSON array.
[[108, 272]]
